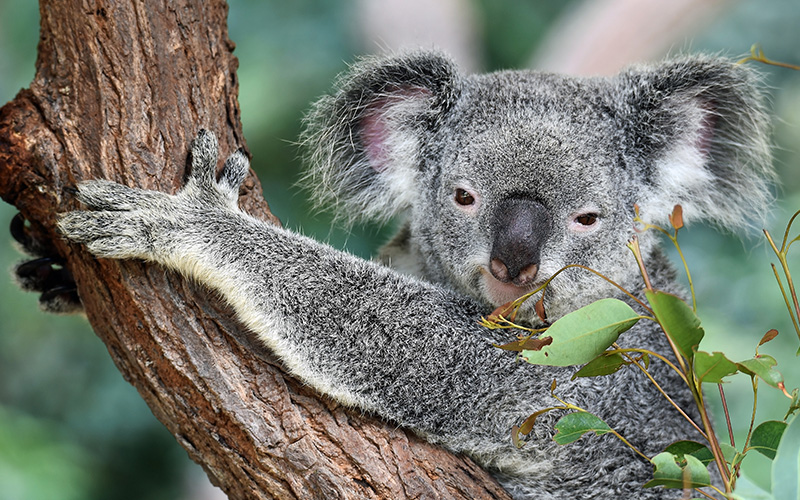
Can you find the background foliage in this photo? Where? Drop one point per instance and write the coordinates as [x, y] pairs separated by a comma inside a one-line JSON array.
[[70, 427]]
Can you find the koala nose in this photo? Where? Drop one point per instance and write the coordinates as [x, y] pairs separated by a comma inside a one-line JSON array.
[[520, 227], [523, 276]]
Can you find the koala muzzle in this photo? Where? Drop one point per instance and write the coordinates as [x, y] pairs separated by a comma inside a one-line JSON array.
[[520, 227]]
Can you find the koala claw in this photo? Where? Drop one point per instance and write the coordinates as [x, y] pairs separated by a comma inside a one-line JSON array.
[[37, 269], [45, 274], [61, 300], [17, 230]]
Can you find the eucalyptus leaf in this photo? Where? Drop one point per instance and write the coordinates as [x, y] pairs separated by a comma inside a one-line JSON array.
[[582, 335], [670, 474], [604, 364], [786, 464], [748, 490], [712, 367], [697, 450], [729, 453], [680, 323], [572, 426], [767, 436], [764, 367], [770, 335]]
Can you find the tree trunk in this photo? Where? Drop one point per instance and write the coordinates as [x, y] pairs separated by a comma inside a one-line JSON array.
[[119, 92]]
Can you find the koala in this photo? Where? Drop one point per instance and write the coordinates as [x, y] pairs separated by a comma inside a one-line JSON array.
[[498, 180]]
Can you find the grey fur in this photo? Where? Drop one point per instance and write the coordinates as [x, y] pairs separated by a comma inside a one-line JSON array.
[[398, 136]]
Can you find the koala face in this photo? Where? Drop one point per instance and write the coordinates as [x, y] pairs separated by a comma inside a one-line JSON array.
[[512, 194], [505, 178]]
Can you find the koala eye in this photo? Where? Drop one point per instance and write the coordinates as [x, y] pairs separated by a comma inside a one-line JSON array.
[[586, 219], [463, 197]]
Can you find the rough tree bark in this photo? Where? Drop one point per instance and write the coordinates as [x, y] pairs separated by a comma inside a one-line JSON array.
[[119, 91]]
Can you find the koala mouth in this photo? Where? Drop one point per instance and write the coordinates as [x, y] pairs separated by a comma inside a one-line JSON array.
[[499, 293]]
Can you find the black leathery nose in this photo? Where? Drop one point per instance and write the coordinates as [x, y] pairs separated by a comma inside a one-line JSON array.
[[520, 227]]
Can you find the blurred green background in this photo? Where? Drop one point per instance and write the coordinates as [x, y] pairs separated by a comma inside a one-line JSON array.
[[71, 427]]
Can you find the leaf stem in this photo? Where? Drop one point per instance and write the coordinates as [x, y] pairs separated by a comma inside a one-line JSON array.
[[781, 254], [528, 295], [655, 355], [706, 494], [757, 54], [658, 386], [717, 490], [754, 382], [633, 244], [727, 415], [786, 299], [674, 240], [788, 228], [629, 444], [712, 439]]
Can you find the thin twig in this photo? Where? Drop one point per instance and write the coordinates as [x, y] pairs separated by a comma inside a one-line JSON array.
[[727, 415], [661, 390]]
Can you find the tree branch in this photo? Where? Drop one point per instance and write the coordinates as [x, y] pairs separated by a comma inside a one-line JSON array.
[[119, 92]]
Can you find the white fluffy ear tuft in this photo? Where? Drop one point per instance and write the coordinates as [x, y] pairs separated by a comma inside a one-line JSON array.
[[682, 172], [366, 142], [700, 135], [391, 139]]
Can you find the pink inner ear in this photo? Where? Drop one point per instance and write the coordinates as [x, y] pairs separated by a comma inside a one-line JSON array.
[[708, 124], [374, 135], [375, 126]]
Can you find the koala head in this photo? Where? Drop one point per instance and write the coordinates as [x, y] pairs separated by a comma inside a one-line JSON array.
[[504, 178]]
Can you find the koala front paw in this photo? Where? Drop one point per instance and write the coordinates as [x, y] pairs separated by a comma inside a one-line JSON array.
[[124, 222]]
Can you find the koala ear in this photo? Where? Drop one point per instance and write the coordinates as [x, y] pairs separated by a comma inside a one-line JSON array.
[[697, 132], [365, 141]]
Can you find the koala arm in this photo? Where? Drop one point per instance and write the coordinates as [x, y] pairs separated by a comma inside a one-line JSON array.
[[352, 329]]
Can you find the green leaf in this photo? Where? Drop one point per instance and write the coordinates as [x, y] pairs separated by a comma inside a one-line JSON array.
[[748, 490], [671, 475], [785, 466], [712, 367], [764, 367], [697, 471], [572, 426], [766, 437], [667, 469], [729, 453], [697, 450], [680, 323], [582, 335], [604, 364]]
